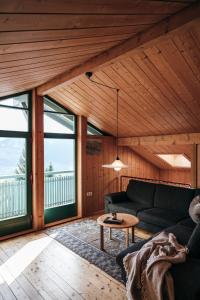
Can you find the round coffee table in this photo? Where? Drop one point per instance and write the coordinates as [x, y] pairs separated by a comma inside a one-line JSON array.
[[129, 221]]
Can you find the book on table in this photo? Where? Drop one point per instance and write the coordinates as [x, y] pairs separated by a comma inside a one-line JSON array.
[[110, 220]]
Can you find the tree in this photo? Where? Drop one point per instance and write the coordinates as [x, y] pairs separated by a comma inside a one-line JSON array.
[[21, 166], [49, 169]]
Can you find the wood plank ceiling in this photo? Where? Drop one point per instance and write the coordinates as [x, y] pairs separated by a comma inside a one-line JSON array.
[[159, 89], [41, 39]]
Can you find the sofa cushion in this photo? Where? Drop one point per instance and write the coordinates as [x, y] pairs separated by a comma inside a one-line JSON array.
[[194, 242], [173, 198], [197, 192], [159, 216], [187, 223], [151, 228], [128, 207], [115, 197], [181, 233], [141, 192]]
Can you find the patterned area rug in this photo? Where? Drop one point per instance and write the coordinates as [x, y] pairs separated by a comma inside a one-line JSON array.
[[83, 238]]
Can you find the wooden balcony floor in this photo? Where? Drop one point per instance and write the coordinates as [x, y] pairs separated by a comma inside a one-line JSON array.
[[35, 266]]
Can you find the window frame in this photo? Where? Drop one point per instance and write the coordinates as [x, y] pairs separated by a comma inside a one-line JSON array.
[[64, 136], [101, 133], [18, 224]]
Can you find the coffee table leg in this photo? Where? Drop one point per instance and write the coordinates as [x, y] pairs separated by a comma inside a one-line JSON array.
[[110, 233], [101, 238], [127, 237], [133, 234]]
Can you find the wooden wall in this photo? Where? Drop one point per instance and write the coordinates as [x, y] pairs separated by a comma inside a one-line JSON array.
[[138, 166], [100, 181], [181, 176]]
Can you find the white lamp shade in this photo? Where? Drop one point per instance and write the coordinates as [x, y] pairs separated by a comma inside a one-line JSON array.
[[117, 165]]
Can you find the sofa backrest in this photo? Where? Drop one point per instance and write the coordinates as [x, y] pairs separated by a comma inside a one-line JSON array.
[[141, 192], [173, 198], [197, 192]]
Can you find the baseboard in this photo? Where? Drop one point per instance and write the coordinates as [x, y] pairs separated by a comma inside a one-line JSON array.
[[20, 233], [62, 221], [12, 235]]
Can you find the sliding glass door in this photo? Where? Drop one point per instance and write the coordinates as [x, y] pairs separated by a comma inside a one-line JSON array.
[[60, 162], [15, 164]]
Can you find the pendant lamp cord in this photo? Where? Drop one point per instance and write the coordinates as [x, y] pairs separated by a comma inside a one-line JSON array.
[[110, 87], [89, 75], [117, 122]]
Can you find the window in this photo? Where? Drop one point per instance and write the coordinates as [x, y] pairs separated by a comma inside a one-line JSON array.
[[176, 160], [14, 113], [59, 171], [57, 119], [92, 130], [15, 163], [59, 162]]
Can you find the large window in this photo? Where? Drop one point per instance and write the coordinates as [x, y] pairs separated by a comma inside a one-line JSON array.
[[15, 163], [59, 162]]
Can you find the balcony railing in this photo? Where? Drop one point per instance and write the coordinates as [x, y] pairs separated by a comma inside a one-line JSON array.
[[59, 190], [12, 196]]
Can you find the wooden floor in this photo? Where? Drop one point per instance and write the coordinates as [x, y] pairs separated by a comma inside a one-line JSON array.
[[35, 266]]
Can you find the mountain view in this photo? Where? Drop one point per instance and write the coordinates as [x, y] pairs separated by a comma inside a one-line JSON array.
[[58, 153]]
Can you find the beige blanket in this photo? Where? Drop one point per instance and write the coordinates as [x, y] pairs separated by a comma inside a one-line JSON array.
[[147, 269]]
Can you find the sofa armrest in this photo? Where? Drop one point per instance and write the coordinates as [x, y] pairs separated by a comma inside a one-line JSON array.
[[120, 257], [186, 279], [115, 197]]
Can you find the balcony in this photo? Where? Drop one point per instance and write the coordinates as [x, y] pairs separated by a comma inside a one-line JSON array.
[[59, 191]]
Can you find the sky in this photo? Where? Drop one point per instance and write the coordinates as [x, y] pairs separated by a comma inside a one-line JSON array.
[[59, 153]]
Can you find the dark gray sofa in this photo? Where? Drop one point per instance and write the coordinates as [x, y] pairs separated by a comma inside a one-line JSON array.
[[157, 205], [167, 209], [186, 276]]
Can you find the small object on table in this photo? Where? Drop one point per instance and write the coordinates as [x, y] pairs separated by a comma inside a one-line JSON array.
[[114, 216]]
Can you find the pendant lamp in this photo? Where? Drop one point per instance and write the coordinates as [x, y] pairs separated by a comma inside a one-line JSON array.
[[117, 164]]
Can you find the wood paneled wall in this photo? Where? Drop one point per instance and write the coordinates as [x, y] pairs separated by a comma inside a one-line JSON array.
[[138, 166], [181, 176], [100, 181]]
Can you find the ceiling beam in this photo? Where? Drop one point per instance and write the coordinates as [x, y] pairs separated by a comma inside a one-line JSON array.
[[156, 31], [151, 157], [174, 139]]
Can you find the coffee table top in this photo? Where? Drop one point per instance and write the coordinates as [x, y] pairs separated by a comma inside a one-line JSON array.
[[129, 221]]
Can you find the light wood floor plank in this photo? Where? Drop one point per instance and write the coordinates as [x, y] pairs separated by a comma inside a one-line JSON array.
[[35, 266], [85, 270]]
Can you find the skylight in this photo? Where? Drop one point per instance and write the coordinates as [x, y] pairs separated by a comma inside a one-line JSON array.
[[176, 160]]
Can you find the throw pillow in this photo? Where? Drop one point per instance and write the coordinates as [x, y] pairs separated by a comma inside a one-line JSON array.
[[193, 244], [194, 209]]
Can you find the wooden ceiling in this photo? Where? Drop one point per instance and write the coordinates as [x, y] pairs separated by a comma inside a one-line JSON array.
[[159, 89], [149, 153], [41, 39]]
